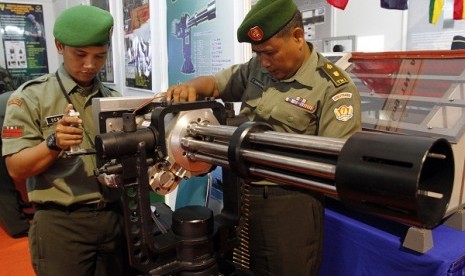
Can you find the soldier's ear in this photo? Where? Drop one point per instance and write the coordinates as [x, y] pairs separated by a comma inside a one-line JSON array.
[[59, 46], [298, 34]]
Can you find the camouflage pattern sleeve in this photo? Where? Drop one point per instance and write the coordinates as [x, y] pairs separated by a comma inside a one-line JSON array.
[[6, 81]]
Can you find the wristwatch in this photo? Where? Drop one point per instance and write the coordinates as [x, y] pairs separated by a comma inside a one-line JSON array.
[[52, 142]]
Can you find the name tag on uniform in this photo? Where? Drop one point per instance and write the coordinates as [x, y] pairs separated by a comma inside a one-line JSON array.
[[258, 83], [50, 120]]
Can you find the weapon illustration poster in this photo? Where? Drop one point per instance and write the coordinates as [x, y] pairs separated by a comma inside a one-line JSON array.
[[201, 38], [138, 58], [23, 38]]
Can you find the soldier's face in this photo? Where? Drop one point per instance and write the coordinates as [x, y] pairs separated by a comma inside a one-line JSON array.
[[83, 63], [281, 56]]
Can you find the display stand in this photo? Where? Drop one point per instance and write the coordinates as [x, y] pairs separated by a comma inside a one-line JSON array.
[[418, 239], [457, 220]]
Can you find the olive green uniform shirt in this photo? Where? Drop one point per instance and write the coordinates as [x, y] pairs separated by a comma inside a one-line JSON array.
[[32, 111], [320, 99]]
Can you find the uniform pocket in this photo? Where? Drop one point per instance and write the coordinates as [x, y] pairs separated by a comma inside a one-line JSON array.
[[293, 117]]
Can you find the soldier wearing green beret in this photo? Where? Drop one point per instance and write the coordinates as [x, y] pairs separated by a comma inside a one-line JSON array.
[[295, 89], [77, 228]]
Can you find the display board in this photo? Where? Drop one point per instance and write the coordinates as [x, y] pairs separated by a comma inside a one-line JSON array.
[[201, 38], [23, 40]]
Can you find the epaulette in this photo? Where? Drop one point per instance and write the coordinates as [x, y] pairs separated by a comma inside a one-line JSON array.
[[17, 100], [336, 76], [40, 79]]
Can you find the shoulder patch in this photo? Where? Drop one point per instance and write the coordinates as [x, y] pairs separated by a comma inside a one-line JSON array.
[[344, 112], [342, 95], [333, 73], [12, 132], [15, 100]]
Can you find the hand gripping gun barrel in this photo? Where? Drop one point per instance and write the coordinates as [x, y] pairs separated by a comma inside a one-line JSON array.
[[183, 29], [403, 178]]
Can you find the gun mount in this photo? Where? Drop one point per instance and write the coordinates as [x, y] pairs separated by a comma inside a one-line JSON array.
[[403, 178], [182, 29]]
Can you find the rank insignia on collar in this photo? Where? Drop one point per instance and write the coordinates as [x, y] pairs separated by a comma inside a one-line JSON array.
[[302, 103]]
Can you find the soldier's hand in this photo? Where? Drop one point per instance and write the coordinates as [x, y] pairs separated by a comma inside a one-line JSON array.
[[181, 93], [68, 132]]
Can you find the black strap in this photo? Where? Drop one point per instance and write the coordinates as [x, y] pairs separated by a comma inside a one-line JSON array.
[[63, 90]]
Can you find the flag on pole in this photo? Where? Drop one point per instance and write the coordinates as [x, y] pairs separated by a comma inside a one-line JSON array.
[[435, 10], [394, 4], [340, 4], [459, 9]]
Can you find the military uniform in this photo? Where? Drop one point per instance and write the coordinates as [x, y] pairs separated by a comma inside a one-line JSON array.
[[32, 112], [77, 228], [320, 99], [69, 183], [12, 217], [285, 222]]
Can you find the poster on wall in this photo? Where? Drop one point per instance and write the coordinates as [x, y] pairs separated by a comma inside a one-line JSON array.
[[138, 57], [107, 73], [201, 38], [23, 39]]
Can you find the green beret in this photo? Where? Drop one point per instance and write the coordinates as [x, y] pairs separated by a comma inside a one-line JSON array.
[[265, 19], [83, 25]]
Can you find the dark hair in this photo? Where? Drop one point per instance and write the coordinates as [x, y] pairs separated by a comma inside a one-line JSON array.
[[295, 22]]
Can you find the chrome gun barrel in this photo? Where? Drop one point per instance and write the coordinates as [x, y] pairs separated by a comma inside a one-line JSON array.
[[404, 178]]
